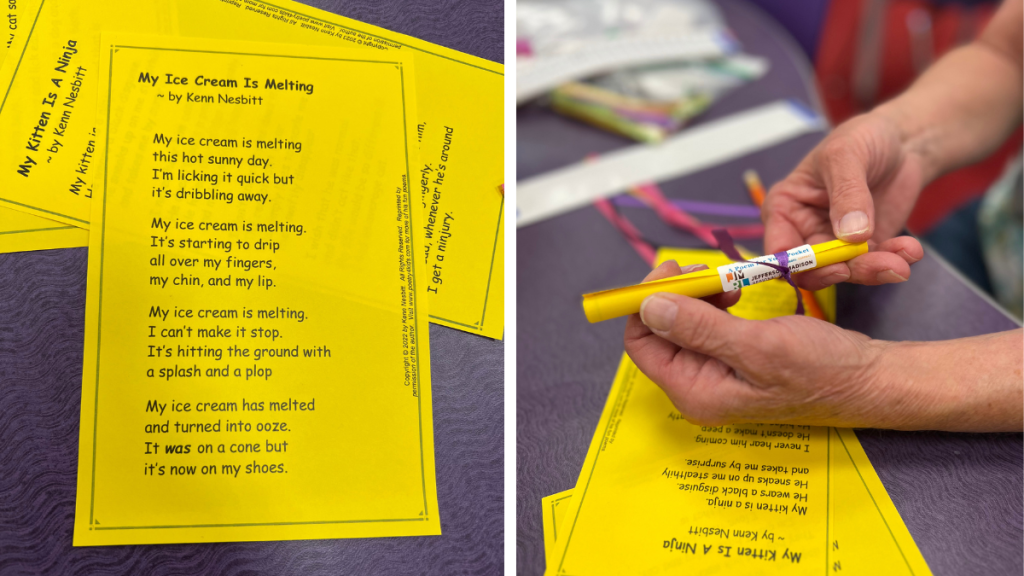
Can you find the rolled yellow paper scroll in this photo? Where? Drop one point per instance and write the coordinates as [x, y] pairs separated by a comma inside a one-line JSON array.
[[609, 304]]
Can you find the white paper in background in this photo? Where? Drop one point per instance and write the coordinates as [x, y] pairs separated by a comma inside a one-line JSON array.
[[694, 149], [556, 27], [675, 80], [541, 74], [573, 39]]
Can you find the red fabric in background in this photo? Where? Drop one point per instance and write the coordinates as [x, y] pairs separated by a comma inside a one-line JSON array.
[[951, 25]]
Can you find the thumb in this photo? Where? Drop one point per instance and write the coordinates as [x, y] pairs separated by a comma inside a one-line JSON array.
[[695, 325], [851, 208]]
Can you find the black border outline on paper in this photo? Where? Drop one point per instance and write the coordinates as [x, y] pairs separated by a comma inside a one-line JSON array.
[[419, 397], [490, 273]]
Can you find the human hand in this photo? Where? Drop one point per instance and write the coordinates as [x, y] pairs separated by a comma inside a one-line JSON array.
[[717, 368], [859, 183]]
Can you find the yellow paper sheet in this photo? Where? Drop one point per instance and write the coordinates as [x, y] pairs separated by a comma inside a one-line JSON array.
[[684, 486], [552, 513], [259, 368], [21, 232], [14, 22], [658, 494], [49, 148], [464, 249], [866, 534]]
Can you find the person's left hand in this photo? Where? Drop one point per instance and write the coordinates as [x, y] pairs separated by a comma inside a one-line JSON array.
[[718, 368]]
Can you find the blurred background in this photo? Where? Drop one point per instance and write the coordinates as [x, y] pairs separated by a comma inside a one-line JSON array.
[[642, 125], [857, 54]]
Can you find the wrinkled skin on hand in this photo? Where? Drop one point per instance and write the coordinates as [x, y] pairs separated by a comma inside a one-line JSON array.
[[718, 368]]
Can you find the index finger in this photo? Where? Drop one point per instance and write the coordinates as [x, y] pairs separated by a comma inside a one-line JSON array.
[[789, 222]]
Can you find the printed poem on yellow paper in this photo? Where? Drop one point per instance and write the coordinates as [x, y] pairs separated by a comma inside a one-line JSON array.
[[257, 357]]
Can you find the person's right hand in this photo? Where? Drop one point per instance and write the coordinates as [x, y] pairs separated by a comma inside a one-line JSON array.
[[858, 184]]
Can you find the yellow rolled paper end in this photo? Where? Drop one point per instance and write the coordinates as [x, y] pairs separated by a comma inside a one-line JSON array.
[[608, 304]]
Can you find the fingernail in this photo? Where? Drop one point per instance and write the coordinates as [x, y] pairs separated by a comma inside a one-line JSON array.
[[853, 223], [889, 277], [834, 278], [658, 313], [910, 259], [693, 268]]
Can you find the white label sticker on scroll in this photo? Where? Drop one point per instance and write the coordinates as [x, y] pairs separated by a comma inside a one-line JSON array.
[[696, 148], [740, 274]]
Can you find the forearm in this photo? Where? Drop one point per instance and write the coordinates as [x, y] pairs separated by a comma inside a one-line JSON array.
[[963, 107], [966, 385]]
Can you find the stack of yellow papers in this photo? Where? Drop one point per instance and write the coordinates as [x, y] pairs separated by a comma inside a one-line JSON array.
[[658, 495], [51, 149], [272, 227], [21, 231]]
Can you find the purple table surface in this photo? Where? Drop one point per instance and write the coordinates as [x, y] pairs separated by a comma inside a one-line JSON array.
[[42, 310], [960, 495]]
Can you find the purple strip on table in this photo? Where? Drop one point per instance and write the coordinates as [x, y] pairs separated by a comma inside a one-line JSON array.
[[697, 207]]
